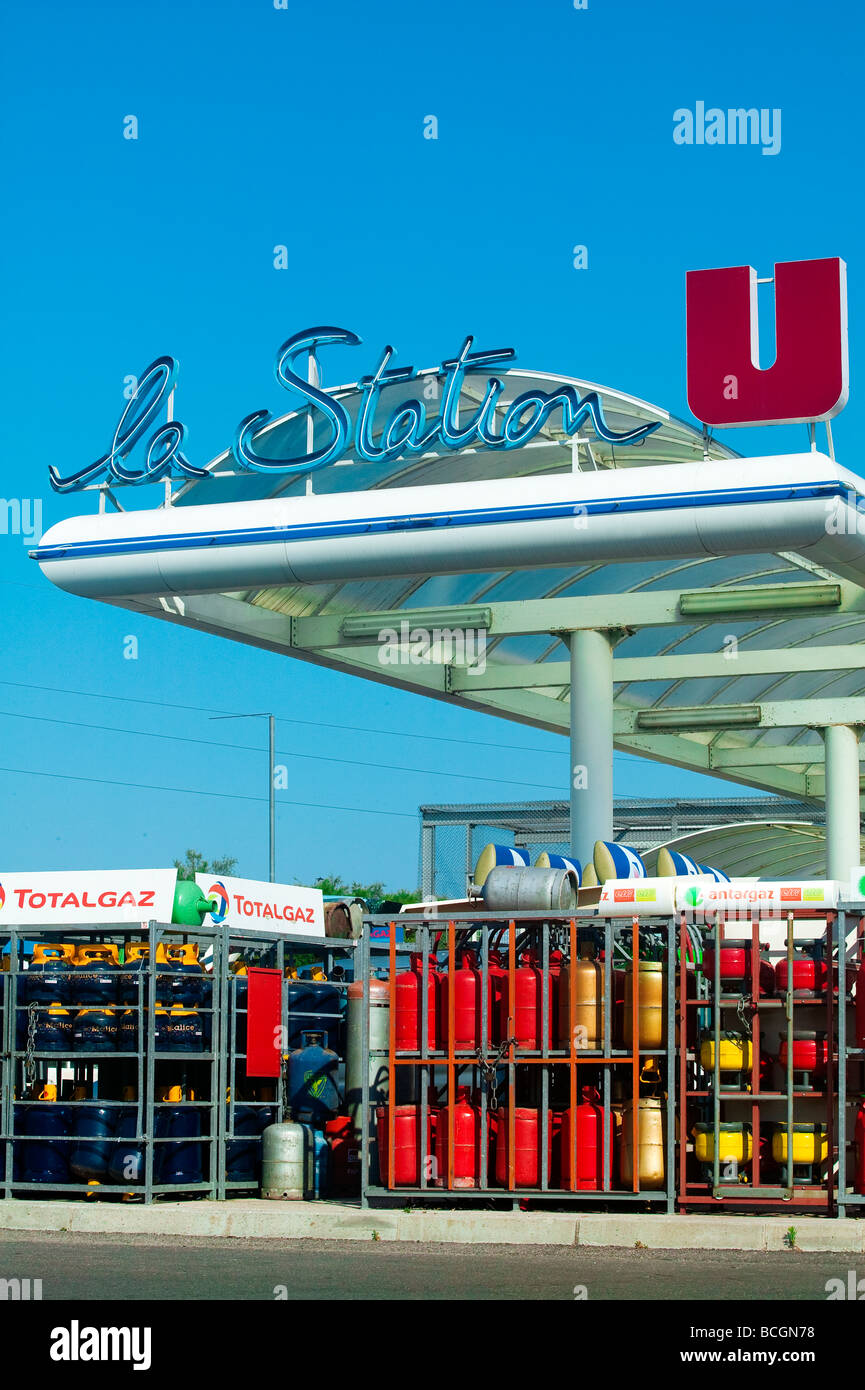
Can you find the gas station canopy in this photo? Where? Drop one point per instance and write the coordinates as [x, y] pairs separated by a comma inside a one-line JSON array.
[[729, 631]]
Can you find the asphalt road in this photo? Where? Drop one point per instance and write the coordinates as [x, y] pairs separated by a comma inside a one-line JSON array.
[[79, 1267]]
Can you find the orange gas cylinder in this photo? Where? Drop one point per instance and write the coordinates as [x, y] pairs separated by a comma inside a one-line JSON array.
[[527, 1147], [408, 1015], [619, 977], [652, 1010], [588, 1142], [467, 1142], [588, 985], [406, 1151]]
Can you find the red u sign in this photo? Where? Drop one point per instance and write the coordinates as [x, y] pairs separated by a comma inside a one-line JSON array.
[[808, 379]]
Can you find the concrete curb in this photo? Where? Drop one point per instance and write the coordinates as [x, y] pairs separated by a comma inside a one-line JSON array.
[[251, 1218]]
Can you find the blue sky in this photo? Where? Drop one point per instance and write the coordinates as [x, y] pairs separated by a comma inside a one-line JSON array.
[[304, 127]]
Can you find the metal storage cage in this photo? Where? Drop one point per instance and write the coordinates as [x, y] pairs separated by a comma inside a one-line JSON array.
[[539, 1071], [733, 1121], [849, 942], [165, 1095], [144, 1083], [271, 952]]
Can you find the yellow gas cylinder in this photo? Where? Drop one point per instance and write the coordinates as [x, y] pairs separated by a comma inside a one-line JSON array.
[[588, 977], [734, 1142], [174, 1094], [735, 1053], [810, 1144], [652, 1004], [651, 1125]]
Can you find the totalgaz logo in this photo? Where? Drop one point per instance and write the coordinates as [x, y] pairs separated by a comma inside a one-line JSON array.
[[217, 892]]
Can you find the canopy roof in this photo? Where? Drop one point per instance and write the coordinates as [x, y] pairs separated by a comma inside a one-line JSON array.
[[788, 663]]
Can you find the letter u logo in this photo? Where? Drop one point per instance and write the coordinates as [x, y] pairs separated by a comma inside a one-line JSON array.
[[809, 377]]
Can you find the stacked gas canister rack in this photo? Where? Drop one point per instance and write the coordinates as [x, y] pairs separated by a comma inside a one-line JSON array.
[[758, 1066], [849, 937], [310, 1049], [111, 1071], [526, 1059], [123, 1061]]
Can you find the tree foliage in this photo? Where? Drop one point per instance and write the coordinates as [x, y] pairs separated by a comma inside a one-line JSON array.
[[195, 863]]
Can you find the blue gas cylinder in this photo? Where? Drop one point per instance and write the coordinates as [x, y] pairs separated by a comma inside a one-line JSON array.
[[206, 1007], [127, 1031], [136, 963], [178, 1162], [95, 976], [45, 1159], [314, 1004], [94, 1131], [95, 1030], [243, 1152], [320, 1163], [313, 1093], [184, 984], [239, 993], [126, 1161], [54, 1029], [129, 1024], [181, 1030], [49, 975]]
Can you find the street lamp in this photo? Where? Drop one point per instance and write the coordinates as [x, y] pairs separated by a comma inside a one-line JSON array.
[[270, 795]]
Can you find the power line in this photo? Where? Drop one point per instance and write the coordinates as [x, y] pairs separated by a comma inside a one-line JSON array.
[[307, 723], [251, 748], [198, 791]]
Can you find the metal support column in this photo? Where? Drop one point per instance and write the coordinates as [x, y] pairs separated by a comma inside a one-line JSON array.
[[842, 800], [591, 776]]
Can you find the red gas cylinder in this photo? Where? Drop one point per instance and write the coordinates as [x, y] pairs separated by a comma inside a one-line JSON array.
[[344, 1156], [467, 1004], [736, 969], [406, 1148], [767, 1062], [810, 1052], [859, 1135], [527, 1005], [589, 1144], [467, 1142], [557, 960], [498, 988], [527, 1147], [409, 985], [809, 975]]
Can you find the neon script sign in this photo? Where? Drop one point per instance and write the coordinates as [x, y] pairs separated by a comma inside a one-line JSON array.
[[406, 430]]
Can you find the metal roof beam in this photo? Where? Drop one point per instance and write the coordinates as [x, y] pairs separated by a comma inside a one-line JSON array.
[[775, 755], [625, 610], [693, 755], [766, 714], [499, 676]]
